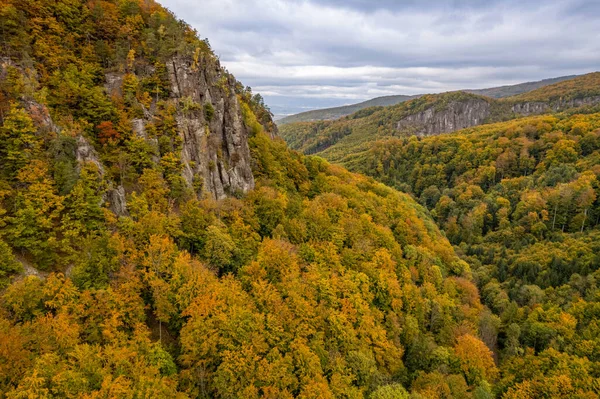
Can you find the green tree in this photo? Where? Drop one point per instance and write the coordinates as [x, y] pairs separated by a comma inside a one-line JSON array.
[[219, 249], [392, 391], [8, 264], [34, 224], [18, 141]]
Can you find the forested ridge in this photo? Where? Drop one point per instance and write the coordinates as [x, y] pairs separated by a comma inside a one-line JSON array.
[[434, 114], [137, 260], [123, 276], [520, 202], [339, 112]]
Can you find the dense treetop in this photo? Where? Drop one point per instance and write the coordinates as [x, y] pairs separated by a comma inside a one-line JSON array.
[[474, 277], [319, 283], [520, 200]]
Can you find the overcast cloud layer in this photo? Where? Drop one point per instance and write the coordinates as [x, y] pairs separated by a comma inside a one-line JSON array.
[[314, 53]]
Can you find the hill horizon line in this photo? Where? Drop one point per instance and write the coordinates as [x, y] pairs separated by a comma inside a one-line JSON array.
[[496, 92]]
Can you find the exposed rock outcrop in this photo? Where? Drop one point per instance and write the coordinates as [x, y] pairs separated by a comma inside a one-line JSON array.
[[114, 197], [139, 128], [455, 116], [41, 117], [576, 102], [465, 113], [214, 138], [86, 153], [540, 107], [116, 200], [530, 108], [215, 151], [113, 82]]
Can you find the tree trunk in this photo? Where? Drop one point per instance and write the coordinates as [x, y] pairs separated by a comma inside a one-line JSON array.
[[584, 218]]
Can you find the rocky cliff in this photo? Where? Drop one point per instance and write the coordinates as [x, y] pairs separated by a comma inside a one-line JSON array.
[[215, 140], [539, 107], [454, 116], [473, 111], [214, 152]]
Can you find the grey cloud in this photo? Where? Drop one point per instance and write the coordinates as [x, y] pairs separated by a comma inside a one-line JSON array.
[[309, 52], [369, 5]]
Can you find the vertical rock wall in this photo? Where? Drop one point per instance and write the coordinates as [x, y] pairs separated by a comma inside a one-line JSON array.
[[215, 151]]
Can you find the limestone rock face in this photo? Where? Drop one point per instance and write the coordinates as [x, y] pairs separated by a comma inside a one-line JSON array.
[[214, 138], [84, 153], [117, 202], [113, 82], [538, 107], [461, 114], [576, 102], [115, 197], [530, 108], [215, 151], [455, 116]]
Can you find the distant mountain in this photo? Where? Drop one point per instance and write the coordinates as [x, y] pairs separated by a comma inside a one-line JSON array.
[[328, 114], [158, 240], [584, 86], [514, 90], [434, 114]]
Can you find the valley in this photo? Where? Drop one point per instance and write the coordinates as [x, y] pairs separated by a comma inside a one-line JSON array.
[[162, 237]]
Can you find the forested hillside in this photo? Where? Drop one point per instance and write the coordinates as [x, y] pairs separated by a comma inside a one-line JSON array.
[[354, 133], [515, 90], [328, 114], [520, 201], [436, 114], [585, 86], [157, 240]]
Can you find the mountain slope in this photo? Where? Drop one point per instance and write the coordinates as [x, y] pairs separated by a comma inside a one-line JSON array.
[[521, 199], [339, 112], [347, 135], [585, 86], [432, 115], [157, 240], [514, 90]]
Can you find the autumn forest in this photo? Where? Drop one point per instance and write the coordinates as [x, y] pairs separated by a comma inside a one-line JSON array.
[[161, 237]]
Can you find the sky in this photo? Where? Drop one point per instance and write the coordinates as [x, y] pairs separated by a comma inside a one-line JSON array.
[[307, 54]]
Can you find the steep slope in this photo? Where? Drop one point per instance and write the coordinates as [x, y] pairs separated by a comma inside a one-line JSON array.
[[521, 200], [433, 115], [429, 114], [210, 123], [515, 90], [449, 113], [175, 248], [173, 99], [339, 112]]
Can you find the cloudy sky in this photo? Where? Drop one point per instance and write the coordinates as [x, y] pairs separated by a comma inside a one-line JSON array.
[[306, 54]]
